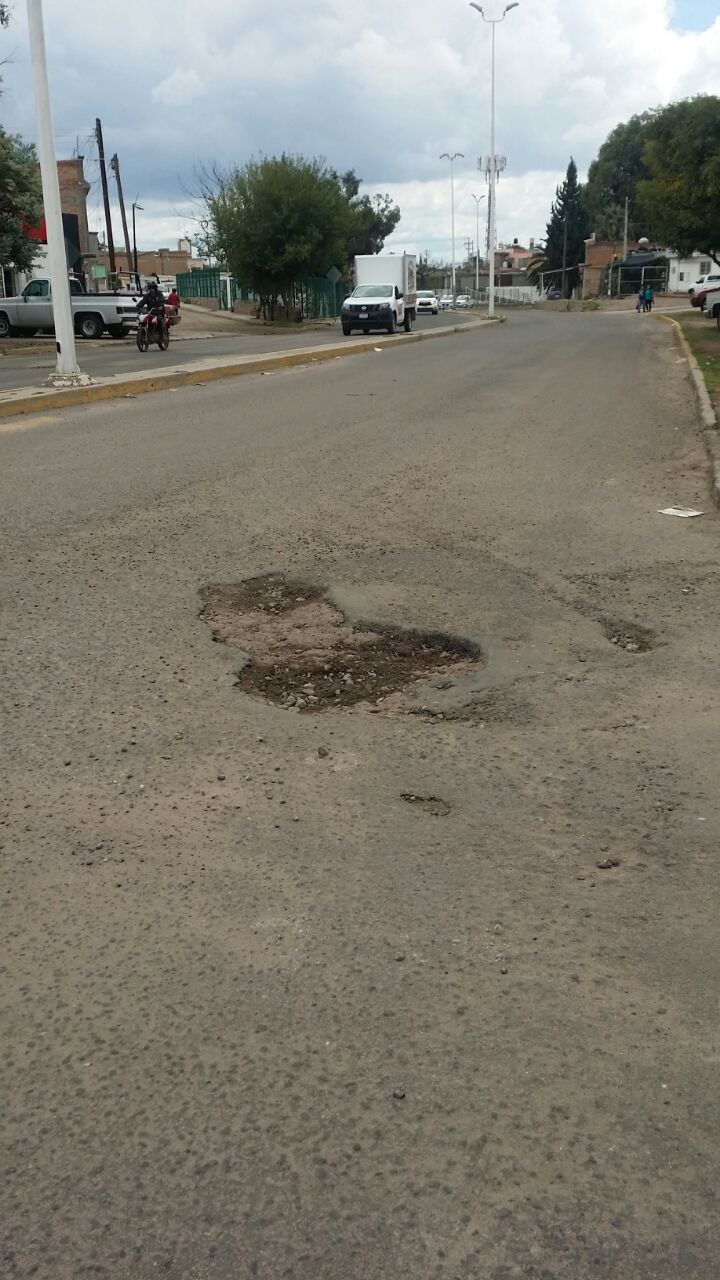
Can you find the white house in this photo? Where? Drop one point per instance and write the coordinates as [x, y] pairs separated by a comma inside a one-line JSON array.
[[684, 271]]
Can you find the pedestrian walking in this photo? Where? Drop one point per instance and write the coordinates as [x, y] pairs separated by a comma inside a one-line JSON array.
[[640, 304], [649, 297]]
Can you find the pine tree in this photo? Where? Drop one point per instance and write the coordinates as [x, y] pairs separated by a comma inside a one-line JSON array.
[[567, 231]]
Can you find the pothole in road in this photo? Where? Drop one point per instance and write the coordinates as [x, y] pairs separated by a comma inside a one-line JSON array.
[[304, 654], [432, 805], [628, 636]]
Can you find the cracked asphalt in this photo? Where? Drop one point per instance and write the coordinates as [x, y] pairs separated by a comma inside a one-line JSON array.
[[261, 1015]]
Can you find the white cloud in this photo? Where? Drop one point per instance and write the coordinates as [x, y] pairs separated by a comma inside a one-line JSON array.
[[383, 88], [179, 89]]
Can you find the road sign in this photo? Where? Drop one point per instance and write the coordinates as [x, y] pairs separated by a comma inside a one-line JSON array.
[[334, 276]]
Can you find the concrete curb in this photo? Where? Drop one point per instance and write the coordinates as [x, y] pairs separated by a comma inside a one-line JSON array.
[[22, 402], [708, 417]]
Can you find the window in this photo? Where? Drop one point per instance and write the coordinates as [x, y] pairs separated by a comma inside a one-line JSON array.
[[682, 275], [704, 267], [38, 289]]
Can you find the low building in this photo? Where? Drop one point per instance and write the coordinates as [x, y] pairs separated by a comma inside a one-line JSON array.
[[154, 262], [684, 272], [600, 255], [79, 247]]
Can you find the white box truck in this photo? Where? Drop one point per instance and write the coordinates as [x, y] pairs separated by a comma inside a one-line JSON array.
[[385, 293]]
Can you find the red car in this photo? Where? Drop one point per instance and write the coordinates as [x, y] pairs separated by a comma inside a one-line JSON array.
[[707, 299]]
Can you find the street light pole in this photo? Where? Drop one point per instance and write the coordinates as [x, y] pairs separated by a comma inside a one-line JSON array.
[[458, 155], [477, 200], [493, 160], [67, 372], [135, 262]]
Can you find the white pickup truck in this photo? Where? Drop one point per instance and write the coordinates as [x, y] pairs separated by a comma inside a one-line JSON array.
[[385, 294], [93, 313]]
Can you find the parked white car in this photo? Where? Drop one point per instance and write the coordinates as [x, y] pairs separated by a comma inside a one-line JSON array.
[[427, 301], [711, 303], [704, 282]]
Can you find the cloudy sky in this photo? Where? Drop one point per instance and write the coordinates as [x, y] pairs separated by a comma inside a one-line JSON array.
[[383, 86]]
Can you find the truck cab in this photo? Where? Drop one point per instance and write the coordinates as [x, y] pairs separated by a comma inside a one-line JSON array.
[[373, 306]]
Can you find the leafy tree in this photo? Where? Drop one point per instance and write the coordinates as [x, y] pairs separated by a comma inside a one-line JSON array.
[[614, 176], [4, 13], [372, 218], [20, 201], [682, 191], [276, 222], [567, 231]]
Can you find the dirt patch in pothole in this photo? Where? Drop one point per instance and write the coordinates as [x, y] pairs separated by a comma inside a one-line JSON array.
[[432, 805], [304, 654], [628, 636]]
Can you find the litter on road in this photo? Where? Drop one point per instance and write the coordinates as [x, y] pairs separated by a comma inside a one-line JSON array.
[[684, 512]]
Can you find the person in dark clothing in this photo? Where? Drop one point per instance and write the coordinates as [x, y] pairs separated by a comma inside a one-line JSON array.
[[649, 297], [152, 300]]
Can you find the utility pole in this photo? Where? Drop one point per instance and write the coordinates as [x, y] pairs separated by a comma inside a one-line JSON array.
[[564, 266], [115, 166], [67, 372], [106, 194], [625, 233]]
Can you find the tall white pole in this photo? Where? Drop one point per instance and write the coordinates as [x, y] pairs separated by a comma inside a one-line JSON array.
[[493, 225], [458, 155], [477, 247], [452, 211], [68, 372], [477, 200], [493, 159]]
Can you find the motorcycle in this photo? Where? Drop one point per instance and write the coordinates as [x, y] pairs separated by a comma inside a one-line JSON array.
[[153, 328]]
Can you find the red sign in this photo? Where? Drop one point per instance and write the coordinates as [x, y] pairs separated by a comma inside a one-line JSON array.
[[38, 233]]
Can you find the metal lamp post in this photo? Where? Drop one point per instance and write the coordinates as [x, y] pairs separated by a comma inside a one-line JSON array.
[[493, 166], [477, 200], [68, 372], [135, 262], [458, 155]]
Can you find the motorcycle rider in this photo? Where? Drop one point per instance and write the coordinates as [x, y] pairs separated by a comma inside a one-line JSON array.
[[153, 302]]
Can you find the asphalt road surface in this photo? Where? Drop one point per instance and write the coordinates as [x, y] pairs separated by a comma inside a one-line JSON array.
[[263, 1017], [107, 357]]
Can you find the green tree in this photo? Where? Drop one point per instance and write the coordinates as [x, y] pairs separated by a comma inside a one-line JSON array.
[[372, 218], [20, 201], [567, 231], [613, 177], [276, 222], [682, 191]]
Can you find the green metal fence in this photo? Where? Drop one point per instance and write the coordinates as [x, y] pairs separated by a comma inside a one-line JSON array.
[[316, 299], [199, 284], [209, 283], [320, 299]]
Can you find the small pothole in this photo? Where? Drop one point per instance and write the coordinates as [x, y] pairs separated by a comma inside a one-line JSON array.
[[305, 655], [432, 805], [629, 636]]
